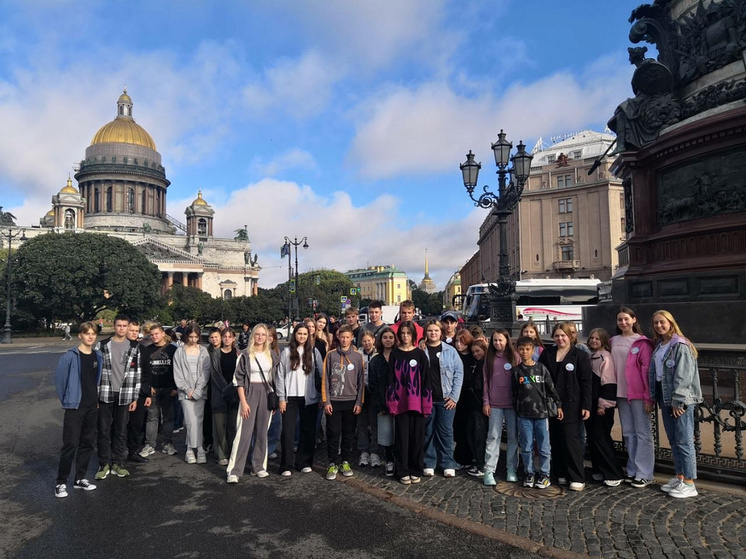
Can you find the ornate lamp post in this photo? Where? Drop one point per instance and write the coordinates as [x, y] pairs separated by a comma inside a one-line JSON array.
[[7, 330], [286, 250], [502, 204]]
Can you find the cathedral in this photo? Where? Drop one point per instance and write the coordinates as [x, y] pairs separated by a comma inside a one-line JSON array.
[[122, 188]]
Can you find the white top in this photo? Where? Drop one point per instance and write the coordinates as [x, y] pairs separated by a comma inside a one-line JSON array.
[[295, 380], [266, 364], [660, 353], [619, 351]]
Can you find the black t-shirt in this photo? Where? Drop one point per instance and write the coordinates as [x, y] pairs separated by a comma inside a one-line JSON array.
[[88, 373], [158, 365], [228, 365], [434, 371]]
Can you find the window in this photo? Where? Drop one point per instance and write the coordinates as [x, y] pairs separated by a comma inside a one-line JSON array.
[[567, 253], [109, 199], [566, 229], [96, 200], [227, 294], [131, 200], [577, 154], [621, 201], [69, 219], [565, 205], [563, 181], [202, 228], [551, 158]]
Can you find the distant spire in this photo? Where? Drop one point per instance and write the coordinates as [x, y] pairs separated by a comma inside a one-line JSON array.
[[426, 266]]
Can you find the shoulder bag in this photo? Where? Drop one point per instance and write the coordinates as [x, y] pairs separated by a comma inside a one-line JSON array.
[[273, 400]]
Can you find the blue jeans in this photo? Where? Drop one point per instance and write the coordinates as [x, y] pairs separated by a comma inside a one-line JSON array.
[[494, 434], [439, 437], [680, 433], [530, 432]]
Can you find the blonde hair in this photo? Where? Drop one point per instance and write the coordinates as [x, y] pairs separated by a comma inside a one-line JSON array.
[[674, 330], [253, 349]]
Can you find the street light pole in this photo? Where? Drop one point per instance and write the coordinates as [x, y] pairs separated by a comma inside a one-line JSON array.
[[7, 330], [294, 243], [510, 188]]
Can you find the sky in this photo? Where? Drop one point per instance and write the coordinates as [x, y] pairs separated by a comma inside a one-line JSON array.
[[344, 121]]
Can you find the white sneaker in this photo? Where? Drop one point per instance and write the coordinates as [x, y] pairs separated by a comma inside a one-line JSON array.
[[375, 460], [168, 449], [306, 470], [428, 472], [612, 482], [223, 462], [201, 456], [672, 484], [147, 450], [190, 458], [389, 469], [577, 486], [449, 472], [364, 459], [287, 473], [232, 479], [84, 484], [683, 490], [262, 474], [60, 491]]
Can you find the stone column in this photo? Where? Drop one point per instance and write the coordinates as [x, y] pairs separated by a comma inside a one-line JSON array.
[[170, 280], [199, 281], [184, 278]]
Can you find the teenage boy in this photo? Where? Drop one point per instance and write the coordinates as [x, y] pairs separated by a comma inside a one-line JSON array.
[[352, 320], [136, 421], [117, 397], [342, 384], [449, 319], [158, 367], [375, 322], [406, 313], [76, 379], [532, 387]]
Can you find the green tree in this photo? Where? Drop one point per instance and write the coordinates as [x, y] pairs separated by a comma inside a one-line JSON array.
[[73, 276], [327, 292], [429, 304], [266, 306]]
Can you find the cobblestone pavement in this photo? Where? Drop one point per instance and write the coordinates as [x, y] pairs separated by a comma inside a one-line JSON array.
[[610, 522]]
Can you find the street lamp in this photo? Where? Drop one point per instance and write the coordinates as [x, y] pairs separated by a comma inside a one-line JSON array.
[[286, 250], [7, 330], [510, 188]]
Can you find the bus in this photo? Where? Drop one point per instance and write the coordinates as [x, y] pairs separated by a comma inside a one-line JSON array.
[[544, 301]]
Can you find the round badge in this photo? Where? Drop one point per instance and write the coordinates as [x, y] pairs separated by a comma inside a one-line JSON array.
[[437, 355], [635, 350], [449, 340], [413, 362], [507, 366], [350, 367], [570, 367], [670, 363]]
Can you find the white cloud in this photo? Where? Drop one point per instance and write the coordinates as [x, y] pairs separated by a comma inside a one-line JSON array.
[[295, 158]]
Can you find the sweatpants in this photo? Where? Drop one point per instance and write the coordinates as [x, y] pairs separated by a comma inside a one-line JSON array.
[[135, 426], [161, 404], [78, 431], [194, 414], [601, 445], [224, 431], [409, 444], [112, 432], [341, 424], [256, 426], [297, 409], [638, 438]]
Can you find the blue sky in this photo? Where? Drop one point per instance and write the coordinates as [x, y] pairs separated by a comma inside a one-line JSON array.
[[341, 120]]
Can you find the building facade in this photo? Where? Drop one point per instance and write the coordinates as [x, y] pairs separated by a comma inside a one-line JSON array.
[[385, 283], [452, 289]]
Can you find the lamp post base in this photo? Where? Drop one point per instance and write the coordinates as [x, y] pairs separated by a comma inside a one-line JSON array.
[[7, 335], [503, 314]]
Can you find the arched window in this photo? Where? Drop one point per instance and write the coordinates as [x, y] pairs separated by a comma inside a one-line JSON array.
[[109, 199], [131, 200], [227, 294], [69, 219], [97, 200], [202, 228]]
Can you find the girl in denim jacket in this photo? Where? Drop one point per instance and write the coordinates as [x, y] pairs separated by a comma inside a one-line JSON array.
[[674, 384]]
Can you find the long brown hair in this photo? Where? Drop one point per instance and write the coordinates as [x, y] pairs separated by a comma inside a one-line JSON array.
[[308, 349], [509, 353]]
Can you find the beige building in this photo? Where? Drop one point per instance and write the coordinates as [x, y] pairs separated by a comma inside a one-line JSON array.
[[567, 223], [385, 283]]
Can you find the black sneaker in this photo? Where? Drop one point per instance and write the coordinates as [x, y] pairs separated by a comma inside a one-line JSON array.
[[137, 459], [60, 491], [529, 481], [542, 482], [84, 484]]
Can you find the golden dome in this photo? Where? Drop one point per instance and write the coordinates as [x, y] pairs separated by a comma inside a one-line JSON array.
[[50, 213], [69, 188], [124, 129], [199, 201]]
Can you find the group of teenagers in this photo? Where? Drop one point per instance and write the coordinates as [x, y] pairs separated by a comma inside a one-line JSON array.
[[413, 399]]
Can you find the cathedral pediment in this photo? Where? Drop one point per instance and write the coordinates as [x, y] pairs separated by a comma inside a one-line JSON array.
[[155, 250]]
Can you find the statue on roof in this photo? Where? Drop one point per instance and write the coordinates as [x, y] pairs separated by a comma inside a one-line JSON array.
[[6, 218]]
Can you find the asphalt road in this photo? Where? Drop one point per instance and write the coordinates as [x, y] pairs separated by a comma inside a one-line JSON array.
[[168, 508]]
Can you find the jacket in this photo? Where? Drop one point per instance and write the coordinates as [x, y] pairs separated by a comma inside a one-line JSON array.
[[680, 380], [67, 378], [451, 371], [572, 379], [343, 377], [378, 375], [218, 382], [604, 380], [636, 369], [245, 363], [186, 381], [130, 388], [311, 395], [532, 385]]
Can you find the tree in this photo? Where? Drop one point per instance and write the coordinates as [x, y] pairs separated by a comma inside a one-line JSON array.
[[327, 292], [73, 276], [429, 304]]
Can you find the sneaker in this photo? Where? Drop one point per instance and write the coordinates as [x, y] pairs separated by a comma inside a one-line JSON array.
[[428, 472], [629, 479], [406, 480], [331, 471], [597, 477], [529, 481], [223, 462], [307, 470], [542, 482], [147, 450], [286, 473], [178, 429], [577, 486], [389, 469], [375, 460], [201, 456], [562, 481], [232, 479], [683, 490], [137, 459], [168, 449], [612, 482], [449, 472], [119, 470], [489, 479], [84, 484], [672, 484], [640, 482], [511, 477], [60, 491], [415, 479], [474, 471], [364, 459], [190, 457], [261, 474], [103, 471], [346, 469]]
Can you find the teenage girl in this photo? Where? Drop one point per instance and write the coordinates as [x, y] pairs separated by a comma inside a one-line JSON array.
[[222, 367], [367, 423], [631, 352], [377, 378], [675, 376], [498, 405], [529, 330], [462, 452], [318, 336], [601, 421]]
